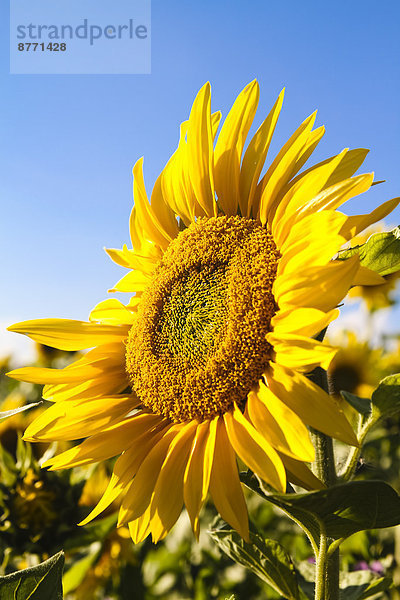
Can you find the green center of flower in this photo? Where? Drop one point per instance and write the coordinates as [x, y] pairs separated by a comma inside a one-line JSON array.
[[198, 344], [192, 316]]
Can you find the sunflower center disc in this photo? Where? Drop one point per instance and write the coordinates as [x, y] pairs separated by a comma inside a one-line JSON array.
[[198, 343]]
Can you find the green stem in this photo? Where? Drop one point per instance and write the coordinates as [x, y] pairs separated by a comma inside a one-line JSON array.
[[324, 464], [327, 567], [355, 452], [321, 568]]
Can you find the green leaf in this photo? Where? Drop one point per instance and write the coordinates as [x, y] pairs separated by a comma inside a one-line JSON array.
[[340, 510], [77, 573], [358, 585], [385, 399], [362, 405], [6, 414], [380, 253], [266, 558], [42, 582]]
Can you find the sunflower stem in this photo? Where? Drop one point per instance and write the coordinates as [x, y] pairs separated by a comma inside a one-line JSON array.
[[327, 567], [321, 568]]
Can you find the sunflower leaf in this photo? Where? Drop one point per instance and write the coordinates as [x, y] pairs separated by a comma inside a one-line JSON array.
[[266, 558], [385, 399], [380, 253], [361, 405], [42, 582], [342, 509]]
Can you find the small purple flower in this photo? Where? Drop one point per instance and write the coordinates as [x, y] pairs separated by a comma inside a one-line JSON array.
[[375, 566]]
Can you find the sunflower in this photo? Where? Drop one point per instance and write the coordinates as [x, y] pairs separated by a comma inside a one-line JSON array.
[[355, 367], [231, 278]]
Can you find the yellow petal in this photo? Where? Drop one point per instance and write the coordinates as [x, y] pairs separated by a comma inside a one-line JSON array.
[[365, 276], [358, 223], [350, 162], [281, 169], [276, 421], [301, 352], [175, 181], [229, 147], [299, 194], [312, 241], [139, 493], [74, 420], [111, 381], [200, 151], [125, 469], [311, 143], [225, 487], [302, 321], [198, 471], [110, 442], [92, 365], [254, 449], [299, 474], [316, 287], [314, 138], [254, 159], [313, 405], [114, 489], [139, 529], [136, 233], [167, 500], [146, 218], [54, 376], [163, 211], [134, 281], [66, 334], [334, 196], [131, 259], [112, 312], [104, 364]]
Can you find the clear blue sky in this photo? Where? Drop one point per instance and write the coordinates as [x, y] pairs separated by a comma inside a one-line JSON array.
[[68, 143]]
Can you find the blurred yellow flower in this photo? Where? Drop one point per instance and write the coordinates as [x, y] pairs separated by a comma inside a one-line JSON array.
[[354, 368]]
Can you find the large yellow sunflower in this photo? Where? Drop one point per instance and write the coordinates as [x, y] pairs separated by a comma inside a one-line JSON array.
[[231, 279]]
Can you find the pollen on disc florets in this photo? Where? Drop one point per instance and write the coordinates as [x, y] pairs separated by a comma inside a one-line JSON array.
[[198, 344]]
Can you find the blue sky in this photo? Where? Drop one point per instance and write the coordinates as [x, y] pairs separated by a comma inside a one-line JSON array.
[[69, 142]]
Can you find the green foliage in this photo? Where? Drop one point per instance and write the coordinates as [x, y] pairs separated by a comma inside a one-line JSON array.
[[354, 585], [338, 511], [386, 398], [92, 532], [380, 253], [359, 585], [78, 570], [266, 558], [361, 405], [42, 525], [384, 403], [42, 582]]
